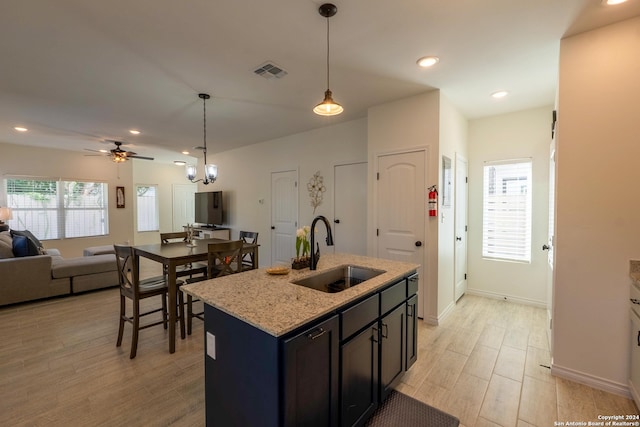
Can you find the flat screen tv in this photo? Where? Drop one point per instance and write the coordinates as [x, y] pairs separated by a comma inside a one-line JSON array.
[[209, 208]]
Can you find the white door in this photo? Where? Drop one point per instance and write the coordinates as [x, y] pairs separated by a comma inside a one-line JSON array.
[[461, 194], [183, 205], [350, 209], [550, 241], [284, 216], [401, 211]]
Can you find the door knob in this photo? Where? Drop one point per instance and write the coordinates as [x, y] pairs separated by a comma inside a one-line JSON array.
[[273, 228], [418, 243], [459, 239], [545, 247], [337, 221]]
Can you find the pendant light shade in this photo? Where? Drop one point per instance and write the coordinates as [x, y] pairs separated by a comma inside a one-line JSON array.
[[210, 170], [328, 107]]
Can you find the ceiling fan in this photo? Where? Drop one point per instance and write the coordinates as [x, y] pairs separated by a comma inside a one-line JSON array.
[[118, 155]]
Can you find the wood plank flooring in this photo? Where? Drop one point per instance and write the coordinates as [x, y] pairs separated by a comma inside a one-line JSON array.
[[59, 366]]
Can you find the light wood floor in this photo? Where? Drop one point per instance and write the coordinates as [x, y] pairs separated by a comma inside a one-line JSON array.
[[59, 366]]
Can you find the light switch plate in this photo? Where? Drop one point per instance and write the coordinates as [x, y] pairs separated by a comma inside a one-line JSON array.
[[211, 345]]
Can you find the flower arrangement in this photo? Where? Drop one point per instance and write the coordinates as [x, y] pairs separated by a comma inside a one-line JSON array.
[[303, 248]]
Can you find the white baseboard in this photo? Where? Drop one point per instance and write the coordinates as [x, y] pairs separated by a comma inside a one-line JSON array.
[[436, 320], [591, 380], [510, 298]]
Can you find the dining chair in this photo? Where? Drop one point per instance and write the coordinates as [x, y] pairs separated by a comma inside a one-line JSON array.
[[191, 269], [133, 288], [247, 259], [223, 259]]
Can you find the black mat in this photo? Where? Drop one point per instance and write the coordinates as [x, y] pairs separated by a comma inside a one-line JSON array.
[[401, 410]]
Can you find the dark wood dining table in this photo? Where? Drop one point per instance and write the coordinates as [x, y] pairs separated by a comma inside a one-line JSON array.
[[171, 255]]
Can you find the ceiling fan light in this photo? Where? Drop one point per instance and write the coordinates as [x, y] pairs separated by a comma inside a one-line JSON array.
[[328, 107], [191, 172]]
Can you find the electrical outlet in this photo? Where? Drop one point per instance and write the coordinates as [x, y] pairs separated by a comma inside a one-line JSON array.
[[211, 345]]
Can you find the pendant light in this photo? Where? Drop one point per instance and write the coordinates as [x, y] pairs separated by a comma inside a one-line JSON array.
[[210, 170], [328, 107]]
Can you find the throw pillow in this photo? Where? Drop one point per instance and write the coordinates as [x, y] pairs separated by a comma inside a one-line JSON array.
[[22, 247], [33, 239], [6, 245]]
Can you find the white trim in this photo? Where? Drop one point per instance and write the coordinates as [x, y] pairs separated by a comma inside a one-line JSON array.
[[591, 380], [510, 298]]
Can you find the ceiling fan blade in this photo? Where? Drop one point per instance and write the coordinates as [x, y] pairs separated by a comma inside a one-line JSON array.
[[140, 157], [96, 151]]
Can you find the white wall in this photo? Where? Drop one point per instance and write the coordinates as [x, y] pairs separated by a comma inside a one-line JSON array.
[[164, 176], [598, 203], [244, 176], [510, 136], [404, 125], [453, 140], [45, 162]]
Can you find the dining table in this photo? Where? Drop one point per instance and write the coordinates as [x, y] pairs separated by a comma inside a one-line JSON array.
[[175, 254]]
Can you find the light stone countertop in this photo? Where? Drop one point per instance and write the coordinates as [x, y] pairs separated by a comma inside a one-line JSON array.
[[276, 306]]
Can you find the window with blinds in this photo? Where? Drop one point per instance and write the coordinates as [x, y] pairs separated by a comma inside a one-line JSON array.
[[506, 210], [56, 209], [147, 206]]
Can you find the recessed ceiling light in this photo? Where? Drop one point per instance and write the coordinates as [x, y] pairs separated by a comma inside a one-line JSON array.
[[500, 94], [134, 132], [612, 2], [179, 162], [20, 129], [428, 61], [185, 152]]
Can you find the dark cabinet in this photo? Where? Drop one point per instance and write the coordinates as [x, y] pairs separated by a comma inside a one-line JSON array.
[[392, 349], [359, 381], [311, 376], [412, 332]]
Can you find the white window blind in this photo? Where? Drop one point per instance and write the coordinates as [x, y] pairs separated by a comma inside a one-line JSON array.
[[147, 206], [506, 219], [56, 209]]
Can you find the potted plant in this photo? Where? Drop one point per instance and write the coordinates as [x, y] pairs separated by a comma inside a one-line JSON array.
[[303, 249]]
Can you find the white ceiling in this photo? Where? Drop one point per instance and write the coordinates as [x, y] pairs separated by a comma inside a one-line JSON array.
[[77, 73]]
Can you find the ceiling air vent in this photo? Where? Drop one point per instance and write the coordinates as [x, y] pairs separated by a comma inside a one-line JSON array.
[[269, 70]]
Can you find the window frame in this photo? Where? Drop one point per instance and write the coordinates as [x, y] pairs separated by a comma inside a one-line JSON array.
[[501, 204]]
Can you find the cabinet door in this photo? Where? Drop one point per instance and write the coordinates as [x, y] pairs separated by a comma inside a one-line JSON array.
[[392, 349], [359, 380], [311, 376], [412, 331], [634, 374]]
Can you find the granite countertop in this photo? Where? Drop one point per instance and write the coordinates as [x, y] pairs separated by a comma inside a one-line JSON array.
[[634, 271], [276, 306]]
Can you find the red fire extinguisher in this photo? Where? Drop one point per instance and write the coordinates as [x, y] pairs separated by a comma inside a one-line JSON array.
[[433, 201]]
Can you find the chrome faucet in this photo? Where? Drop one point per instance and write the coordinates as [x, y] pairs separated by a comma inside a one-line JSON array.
[[315, 256]]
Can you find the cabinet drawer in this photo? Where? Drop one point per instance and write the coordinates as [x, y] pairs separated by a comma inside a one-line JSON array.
[[359, 316], [412, 285], [393, 296]]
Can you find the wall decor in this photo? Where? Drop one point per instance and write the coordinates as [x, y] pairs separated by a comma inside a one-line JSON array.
[[120, 197], [316, 188], [446, 182]]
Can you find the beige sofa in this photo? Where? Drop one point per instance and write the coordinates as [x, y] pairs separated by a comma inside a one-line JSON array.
[[42, 276]]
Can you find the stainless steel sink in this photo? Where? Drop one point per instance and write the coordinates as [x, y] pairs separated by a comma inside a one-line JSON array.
[[339, 278]]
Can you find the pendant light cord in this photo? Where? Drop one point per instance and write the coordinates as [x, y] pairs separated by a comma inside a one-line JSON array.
[[328, 86], [204, 120]]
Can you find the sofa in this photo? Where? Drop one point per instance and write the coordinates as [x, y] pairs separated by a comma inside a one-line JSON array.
[[47, 274]]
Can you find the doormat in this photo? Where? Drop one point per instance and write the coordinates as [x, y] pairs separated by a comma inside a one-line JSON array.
[[401, 410]]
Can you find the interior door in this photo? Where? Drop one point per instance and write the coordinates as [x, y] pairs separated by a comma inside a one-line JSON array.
[[401, 211], [461, 195], [183, 205], [550, 240], [284, 216], [350, 208]]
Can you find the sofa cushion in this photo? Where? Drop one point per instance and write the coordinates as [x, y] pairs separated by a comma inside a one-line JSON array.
[[34, 242], [22, 247], [70, 267], [6, 245]]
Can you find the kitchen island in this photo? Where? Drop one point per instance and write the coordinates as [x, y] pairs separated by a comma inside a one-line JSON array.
[[284, 354]]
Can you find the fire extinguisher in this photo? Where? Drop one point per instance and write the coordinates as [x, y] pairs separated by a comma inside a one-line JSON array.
[[433, 201]]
